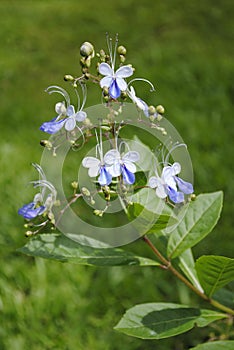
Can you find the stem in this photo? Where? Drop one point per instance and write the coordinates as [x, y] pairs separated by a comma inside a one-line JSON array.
[[167, 265]]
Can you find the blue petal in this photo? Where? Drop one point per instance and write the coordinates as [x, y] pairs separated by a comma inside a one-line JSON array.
[[114, 90], [176, 197], [29, 212], [105, 177], [128, 177], [53, 126], [184, 186]]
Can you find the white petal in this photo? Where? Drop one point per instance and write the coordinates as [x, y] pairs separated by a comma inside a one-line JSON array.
[[89, 162], [121, 84], [124, 72], [111, 156], [38, 198], [154, 182], [115, 169], [70, 110], [105, 69], [176, 168], [70, 123], [167, 173], [60, 108], [131, 156], [171, 183], [106, 81], [94, 171], [160, 192], [80, 116]]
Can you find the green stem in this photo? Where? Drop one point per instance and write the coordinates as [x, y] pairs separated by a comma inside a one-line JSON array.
[[167, 265]]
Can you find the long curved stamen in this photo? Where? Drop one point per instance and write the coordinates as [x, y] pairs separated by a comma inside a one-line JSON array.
[[54, 88], [78, 100], [115, 49], [40, 170], [84, 92], [145, 80], [123, 143], [47, 184], [172, 149]]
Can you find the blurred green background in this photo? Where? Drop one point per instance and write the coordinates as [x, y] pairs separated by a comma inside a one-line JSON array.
[[186, 49]]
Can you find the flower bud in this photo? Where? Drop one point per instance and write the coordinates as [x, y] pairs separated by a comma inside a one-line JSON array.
[[193, 197], [85, 191], [46, 143], [92, 201], [121, 50], [68, 77], [87, 49], [29, 233], [122, 58], [98, 212], [74, 185], [151, 110], [160, 109]]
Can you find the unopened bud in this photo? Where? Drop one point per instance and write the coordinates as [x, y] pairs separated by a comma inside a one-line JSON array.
[[29, 233], [122, 58], [87, 49], [193, 197], [159, 117], [121, 50], [68, 77], [74, 185], [160, 109], [98, 212], [92, 201], [151, 110], [46, 143], [85, 191]]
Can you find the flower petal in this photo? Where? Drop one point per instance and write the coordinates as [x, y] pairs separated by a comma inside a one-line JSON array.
[[124, 72], [106, 81], [105, 177], [70, 124], [29, 212], [80, 116], [121, 84], [131, 156], [111, 156], [89, 162], [130, 166], [161, 191], [176, 167], [70, 110], [185, 187], [60, 108], [115, 169], [154, 182], [175, 196], [128, 176], [53, 126], [114, 89], [105, 69]]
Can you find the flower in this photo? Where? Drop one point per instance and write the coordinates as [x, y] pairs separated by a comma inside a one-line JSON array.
[[168, 184], [67, 116], [96, 167], [124, 165], [138, 101], [114, 80], [40, 203]]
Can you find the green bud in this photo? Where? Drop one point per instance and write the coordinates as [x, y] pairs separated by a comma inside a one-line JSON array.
[[122, 58], [85, 191], [160, 109], [29, 233], [164, 132], [105, 128], [98, 212], [68, 77], [74, 185], [159, 117], [193, 197], [87, 122], [92, 201], [87, 49], [121, 50], [46, 143], [151, 110]]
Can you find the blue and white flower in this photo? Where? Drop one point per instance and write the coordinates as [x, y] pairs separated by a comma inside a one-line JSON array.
[[114, 81], [97, 166], [42, 201], [138, 101], [122, 164], [67, 116], [170, 185]]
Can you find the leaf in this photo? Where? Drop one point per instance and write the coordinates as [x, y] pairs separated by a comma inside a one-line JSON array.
[[163, 320], [140, 180], [59, 247], [214, 272], [145, 220], [187, 265], [200, 218], [216, 345]]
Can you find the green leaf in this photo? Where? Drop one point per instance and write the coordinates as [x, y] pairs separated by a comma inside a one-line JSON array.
[[163, 320], [187, 265], [140, 180], [59, 247], [145, 220], [216, 345], [214, 272], [200, 218]]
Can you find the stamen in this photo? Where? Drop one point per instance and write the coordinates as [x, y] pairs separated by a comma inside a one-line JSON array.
[[54, 88], [146, 81], [115, 50], [176, 145]]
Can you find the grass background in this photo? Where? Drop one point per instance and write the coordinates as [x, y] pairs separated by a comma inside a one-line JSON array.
[[186, 49]]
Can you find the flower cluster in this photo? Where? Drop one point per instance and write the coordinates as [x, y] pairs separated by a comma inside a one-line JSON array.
[[119, 164]]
